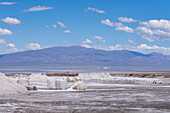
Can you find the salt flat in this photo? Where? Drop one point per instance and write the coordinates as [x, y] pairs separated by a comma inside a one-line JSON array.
[[115, 98]]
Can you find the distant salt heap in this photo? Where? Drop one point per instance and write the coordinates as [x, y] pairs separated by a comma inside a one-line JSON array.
[[37, 76], [8, 86], [106, 78], [94, 75], [131, 80]]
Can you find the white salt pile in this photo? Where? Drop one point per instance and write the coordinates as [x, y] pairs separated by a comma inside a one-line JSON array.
[[37, 76], [78, 85], [94, 75], [39, 80], [24, 81], [131, 80], [8, 86], [106, 78], [122, 80], [21, 75]]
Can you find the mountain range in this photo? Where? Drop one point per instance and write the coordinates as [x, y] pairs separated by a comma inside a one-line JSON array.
[[81, 56]]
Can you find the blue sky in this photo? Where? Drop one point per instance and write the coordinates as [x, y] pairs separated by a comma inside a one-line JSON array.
[[138, 25]]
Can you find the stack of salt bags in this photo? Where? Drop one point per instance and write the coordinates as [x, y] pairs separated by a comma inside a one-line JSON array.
[[9, 86], [95, 77]]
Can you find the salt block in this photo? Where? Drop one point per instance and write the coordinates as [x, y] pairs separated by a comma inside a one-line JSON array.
[[60, 84], [51, 83]]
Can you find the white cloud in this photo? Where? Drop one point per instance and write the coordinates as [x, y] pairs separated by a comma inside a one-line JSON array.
[[125, 29], [142, 48], [153, 30], [5, 32], [7, 3], [108, 48], [87, 41], [2, 41], [118, 26], [62, 25], [116, 47], [99, 38], [127, 20], [10, 45], [145, 30], [121, 27], [157, 24], [148, 49], [11, 21], [145, 46], [107, 22], [95, 10], [85, 45], [55, 26], [67, 31], [147, 33], [33, 46], [38, 8], [132, 42]]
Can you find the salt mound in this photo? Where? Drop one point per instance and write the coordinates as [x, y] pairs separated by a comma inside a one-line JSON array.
[[21, 75], [131, 80], [24, 81], [37, 76], [8, 86], [94, 75], [78, 85]]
